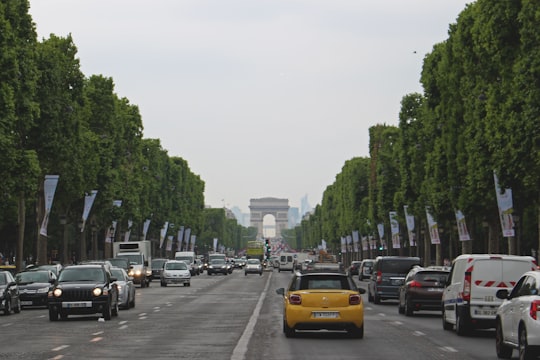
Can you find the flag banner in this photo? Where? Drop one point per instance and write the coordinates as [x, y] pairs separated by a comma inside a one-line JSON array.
[[380, 228], [364, 243], [192, 244], [506, 208], [88, 202], [163, 233], [49, 188], [179, 238], [187, 233], [323, 244], [356, 239], [215, 244], [410, 225], [433, 227], [394, 227], [146, 226], [462, 227], [128, 232], [169, 243], [343, 244], [372, 243]]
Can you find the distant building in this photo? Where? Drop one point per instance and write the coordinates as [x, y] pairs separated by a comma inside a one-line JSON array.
[[304, 206], [294, 217], [241, 218]]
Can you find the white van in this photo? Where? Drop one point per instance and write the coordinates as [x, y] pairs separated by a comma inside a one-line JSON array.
[[286, 261], [469, 300], [189, 258]]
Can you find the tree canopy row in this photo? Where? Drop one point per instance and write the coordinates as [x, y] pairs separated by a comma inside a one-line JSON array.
[[479, 114]]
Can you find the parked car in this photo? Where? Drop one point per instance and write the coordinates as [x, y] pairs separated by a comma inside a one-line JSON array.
[[157, 267], [388, 275], [126, 288], [518, 319], [322, 301], [34, 286], [175, 272], [217, 266], [366, 267], [354, 267], [469, 298], [422, 290], [253, 266], [84, 290], [9, 294]]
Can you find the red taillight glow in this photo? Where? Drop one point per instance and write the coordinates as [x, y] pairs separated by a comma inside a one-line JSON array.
[[414, 284], [354, 299], [379, 277], [295, 299], [467, 287], [534, 309]]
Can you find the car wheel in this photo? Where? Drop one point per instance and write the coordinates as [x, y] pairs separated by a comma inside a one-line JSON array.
[[7, 307], [209, 273], [185, 284], [132, 302], [369, 296], [260, 274], [462, 326], [503, 351], [289, 332], [143, 283], [63, 316], [400, 308], [376, 299], [525, 351], [357, 332], [53, 315], [107, 313], [245, 273], [409, 310], [164, 284], [445, 324]]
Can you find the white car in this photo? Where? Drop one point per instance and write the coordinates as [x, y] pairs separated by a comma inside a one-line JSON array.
[[126, 288], [253, 266], [518, 318], [175, 272]]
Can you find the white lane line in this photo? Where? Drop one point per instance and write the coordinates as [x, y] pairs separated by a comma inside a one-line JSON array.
[[98, 333], [57, 357], [398, 322], [381, 314], [240, 350], [123, 322], [418, 333], [61, 347], [123, 327], [448, 349]]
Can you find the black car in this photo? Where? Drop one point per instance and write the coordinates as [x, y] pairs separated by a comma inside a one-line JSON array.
[[84, 290], [218, 266], [388, 275], [9, 294], [354, 268], [34, 286], [422, 290], [157, 267]]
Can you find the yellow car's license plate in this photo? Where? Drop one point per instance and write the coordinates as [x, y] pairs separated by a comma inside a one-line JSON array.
[[325, 314]]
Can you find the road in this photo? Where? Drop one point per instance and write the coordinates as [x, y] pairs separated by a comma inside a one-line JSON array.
[[230, 317]]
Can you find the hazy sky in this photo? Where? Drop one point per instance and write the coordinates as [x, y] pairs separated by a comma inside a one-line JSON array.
[[263, 98]]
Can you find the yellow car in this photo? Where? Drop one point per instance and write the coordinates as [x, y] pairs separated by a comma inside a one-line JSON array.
[[322, 301]]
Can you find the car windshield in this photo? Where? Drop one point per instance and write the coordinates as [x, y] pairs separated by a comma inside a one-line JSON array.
[[118, 274], [324, 282], [217, 262], [133, 259], [32, 276], [119, 262], [157, 264], [253, 262], [175, 266], [83, 274], [432, 276], [398, 266]]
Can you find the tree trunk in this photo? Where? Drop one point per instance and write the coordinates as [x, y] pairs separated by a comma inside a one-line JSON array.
[[19, 258]]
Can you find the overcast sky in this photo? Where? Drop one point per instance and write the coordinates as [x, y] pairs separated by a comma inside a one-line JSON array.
[[263, 98]]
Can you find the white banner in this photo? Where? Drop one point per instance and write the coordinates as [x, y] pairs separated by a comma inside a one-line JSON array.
[[192, 244], [146, 226], [394, 227], [187, 233], [128, 232], [433, 227], [410, 225], [49, 188], [506, 208], [179, 238], [356, 240], [88, 202], [215, 244], [169, 243], [323, 244], [462, 227], [163, 233], [364, 243], [343, 244]]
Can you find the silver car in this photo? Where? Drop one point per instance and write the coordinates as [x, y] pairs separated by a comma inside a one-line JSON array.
[[126, 288]]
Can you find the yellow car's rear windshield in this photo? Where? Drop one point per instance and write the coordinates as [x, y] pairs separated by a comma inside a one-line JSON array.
[[322, 282]]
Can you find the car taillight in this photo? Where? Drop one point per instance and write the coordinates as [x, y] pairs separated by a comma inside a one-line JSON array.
[[379, 277], [414, 284], [354, 299], [534, 309], [295, 299], [467, 287]]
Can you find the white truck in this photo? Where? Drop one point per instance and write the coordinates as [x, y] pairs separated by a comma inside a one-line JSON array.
[[139, 254], [189, 258]]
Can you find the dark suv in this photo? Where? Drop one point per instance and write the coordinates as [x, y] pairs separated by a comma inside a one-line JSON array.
[[84, 290], [388, 275], [422, 290]]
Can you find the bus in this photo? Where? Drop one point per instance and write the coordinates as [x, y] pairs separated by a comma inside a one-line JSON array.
[[255, 250]]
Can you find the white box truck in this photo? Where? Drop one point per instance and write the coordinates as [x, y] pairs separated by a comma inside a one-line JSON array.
[[139, 254], [189, 258]]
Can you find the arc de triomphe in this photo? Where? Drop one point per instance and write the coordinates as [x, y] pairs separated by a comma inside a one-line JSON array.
[[259, 208]]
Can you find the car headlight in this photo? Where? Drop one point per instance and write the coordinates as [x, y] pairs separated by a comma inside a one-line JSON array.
[[97, 291], [119, 287], [57, 292], [138, 272], [166, 273], [210, 266], [42, 290]]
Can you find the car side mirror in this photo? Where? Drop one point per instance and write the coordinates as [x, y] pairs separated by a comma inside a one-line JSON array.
[[280, 291], [113, 279], [502, 294]]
